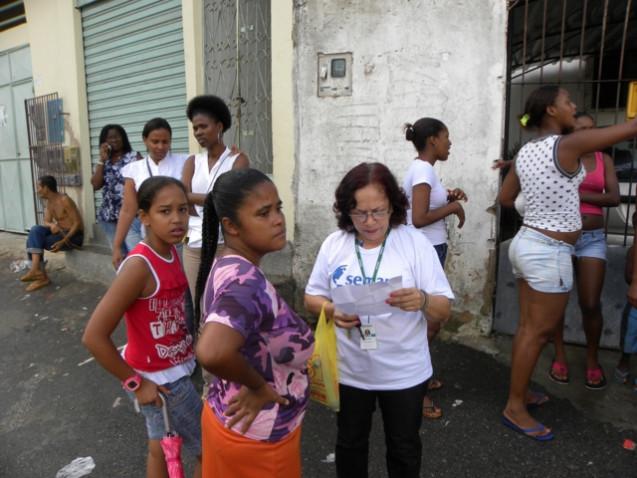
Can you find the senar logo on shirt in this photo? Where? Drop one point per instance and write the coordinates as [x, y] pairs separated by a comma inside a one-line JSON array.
[[336, 275], [340, 279]]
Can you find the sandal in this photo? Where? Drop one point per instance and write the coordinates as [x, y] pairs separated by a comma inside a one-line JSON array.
[[32, 276], [595, 379], [434, 384], [621, 375], [37, 284], [533, 432], [432, 412], [559, 372]]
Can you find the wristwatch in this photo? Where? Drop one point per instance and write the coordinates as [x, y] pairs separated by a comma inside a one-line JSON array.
[[132, 383]]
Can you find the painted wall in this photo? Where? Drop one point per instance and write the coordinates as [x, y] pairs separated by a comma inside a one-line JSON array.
[[283, 128], [192, 17], [14, 37], [55, 36], [445, 59]]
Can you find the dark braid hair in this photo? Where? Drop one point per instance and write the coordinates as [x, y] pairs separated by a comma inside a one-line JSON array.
[[224, 200]]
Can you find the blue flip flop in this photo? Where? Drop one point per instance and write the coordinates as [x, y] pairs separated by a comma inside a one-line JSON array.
[[528, 431]]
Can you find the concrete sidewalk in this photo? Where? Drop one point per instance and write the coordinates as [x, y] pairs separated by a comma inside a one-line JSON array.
[[56, 404]]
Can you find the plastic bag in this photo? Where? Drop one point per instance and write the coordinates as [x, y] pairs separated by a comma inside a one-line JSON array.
[[79, 467], [20, 265], [323, 366]]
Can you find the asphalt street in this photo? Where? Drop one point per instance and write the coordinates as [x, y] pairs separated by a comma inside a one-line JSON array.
[[57, 405]]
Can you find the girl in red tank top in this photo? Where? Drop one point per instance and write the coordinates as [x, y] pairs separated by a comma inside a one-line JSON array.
[[598, 190], [149, 292]]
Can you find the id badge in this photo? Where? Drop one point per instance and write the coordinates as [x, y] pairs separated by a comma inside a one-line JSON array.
[[368, 337]]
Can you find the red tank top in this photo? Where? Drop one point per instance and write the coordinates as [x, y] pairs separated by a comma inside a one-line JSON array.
[[594, 182], [156, 325]]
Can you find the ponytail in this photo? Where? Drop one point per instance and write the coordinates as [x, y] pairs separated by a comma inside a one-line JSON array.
[[209, 240], [423, 129]]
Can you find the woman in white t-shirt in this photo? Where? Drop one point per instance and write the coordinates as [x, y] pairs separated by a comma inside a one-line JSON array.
[[159, 161], [210, 118], [430, 203], [383, 357]]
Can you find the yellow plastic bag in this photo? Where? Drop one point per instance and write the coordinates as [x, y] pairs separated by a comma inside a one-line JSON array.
[[323, 366]]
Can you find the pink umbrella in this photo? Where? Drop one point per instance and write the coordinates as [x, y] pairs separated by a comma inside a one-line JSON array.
[[171, 444]]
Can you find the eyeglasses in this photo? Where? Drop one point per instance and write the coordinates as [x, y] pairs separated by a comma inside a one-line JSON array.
[[377, 215]]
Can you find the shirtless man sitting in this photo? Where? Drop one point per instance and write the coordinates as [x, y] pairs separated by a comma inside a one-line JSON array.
[[62, 230]]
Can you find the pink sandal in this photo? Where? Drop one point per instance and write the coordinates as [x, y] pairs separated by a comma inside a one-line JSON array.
[[595, 379], [559, 372]]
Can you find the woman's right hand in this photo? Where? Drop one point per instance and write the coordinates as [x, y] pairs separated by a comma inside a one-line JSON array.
[[117, 257], [105, 152], [341, 319], [148, 393], [247, 404], [458, 210]]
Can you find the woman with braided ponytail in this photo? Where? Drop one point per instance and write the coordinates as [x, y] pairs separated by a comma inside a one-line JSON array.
[[251, 340]]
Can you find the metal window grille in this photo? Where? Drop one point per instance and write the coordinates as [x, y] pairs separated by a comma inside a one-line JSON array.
[[590, 48], [45, 126]]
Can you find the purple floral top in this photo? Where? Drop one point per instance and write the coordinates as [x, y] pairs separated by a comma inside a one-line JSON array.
[[113, 189], [278, 344]]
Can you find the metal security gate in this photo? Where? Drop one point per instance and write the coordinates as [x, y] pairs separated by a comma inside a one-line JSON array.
[[17, 211], [134, 62], [238, 69], [46, 144], [588, 47]]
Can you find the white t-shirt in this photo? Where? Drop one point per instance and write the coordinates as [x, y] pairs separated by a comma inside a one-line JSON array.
[[421, 172], [139, 171], [203, 180], [401, 359]]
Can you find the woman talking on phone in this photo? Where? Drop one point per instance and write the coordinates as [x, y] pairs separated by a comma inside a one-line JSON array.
[[115, 153]]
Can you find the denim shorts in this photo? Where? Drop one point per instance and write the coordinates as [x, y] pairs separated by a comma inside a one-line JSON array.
[[184, 409], [591, 244], [441, 250], [629, 330], [545, 263]]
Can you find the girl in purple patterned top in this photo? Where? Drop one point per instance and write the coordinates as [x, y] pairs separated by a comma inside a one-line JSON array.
[[251, 340]]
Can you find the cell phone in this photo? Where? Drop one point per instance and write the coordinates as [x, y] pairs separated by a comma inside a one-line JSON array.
[[109, 149]]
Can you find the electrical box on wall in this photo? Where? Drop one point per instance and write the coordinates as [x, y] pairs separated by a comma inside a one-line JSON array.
[[334, 74]]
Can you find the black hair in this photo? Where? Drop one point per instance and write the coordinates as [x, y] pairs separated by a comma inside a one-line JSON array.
[[225, 199], [151, 186], [126, 147], [156, 123], [363, 175], [423, 129], [211, 106], [49, 182], [584, 114], [536, 104]]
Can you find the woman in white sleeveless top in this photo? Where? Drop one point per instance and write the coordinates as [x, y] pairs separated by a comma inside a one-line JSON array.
[[210, 118]]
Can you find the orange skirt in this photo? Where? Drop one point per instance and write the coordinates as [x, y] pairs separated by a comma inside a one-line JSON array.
[[227, 454]]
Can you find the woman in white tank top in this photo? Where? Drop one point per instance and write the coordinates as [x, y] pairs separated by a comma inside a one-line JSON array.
[[548, 173], [210, 118]]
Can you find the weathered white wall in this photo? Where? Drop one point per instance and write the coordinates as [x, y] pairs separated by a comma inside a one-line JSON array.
[[445, 59], [55, 37]]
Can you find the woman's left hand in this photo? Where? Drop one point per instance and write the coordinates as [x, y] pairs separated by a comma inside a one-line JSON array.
[[409, 299], [247, 404], [456, 195]]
